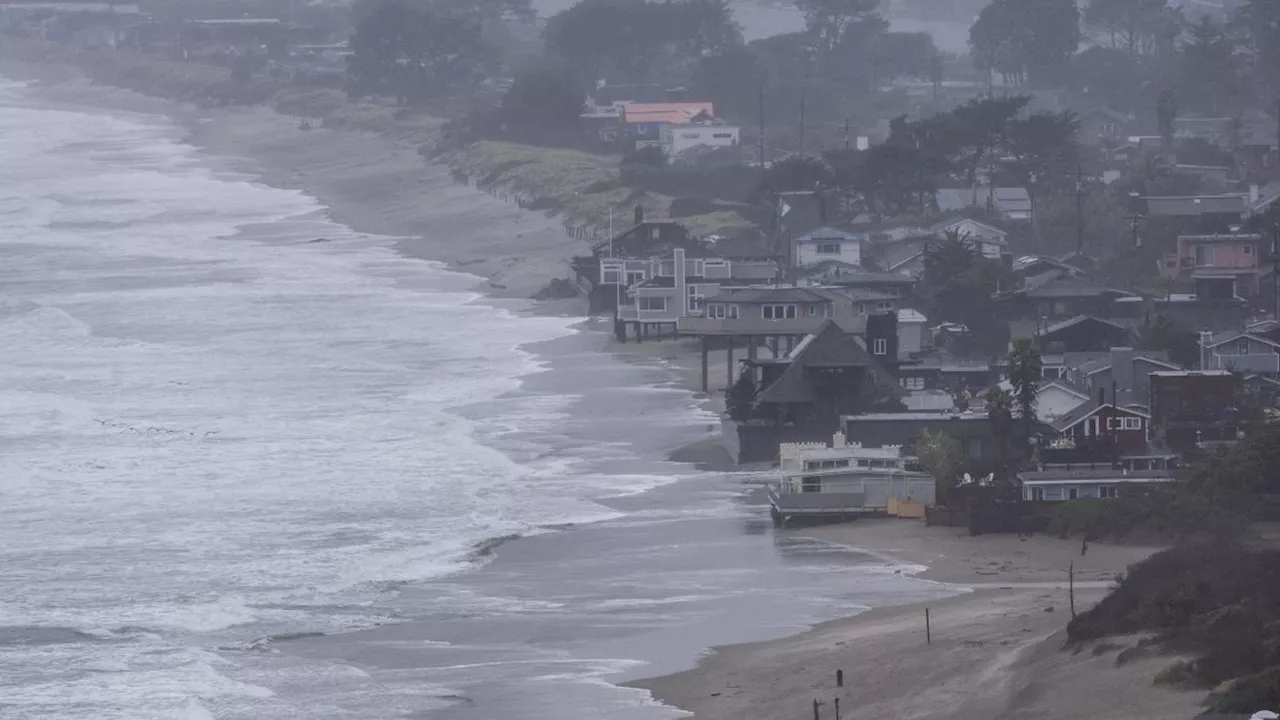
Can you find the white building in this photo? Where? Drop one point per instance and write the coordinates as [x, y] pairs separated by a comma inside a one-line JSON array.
[[827, 243], [677, 139]]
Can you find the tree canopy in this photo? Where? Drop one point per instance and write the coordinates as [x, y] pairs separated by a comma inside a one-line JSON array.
[[1026, 41], [412, 53]]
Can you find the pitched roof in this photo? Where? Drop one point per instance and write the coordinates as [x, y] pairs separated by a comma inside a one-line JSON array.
[[827, 347], [1077, 320], [1190, 205], [948, 224], [740, 248], [1004, 199], [827, 232], [1067, 286], [1085, 410], [1233, 336], [675, 113]]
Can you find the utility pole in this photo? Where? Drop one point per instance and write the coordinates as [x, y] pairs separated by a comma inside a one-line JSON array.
[[1080, 193], [761, 128], [802, 124], [846, 133]]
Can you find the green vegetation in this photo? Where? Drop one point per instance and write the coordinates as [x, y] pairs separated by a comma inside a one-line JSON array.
[[1214, 601], [1157, 515]]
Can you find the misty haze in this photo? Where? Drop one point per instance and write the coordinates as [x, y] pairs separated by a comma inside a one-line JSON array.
[[639, 359]]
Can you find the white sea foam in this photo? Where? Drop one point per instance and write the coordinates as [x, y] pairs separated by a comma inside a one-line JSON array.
[[214, 430]]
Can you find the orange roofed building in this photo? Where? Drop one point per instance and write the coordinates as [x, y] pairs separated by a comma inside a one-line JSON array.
[[647, 119]]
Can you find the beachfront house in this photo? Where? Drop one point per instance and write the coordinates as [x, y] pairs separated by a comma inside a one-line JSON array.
[[1082, 333], [820, 482], [627, 259], [837, 273], [677, 285], [801, 396], [1057, 485]]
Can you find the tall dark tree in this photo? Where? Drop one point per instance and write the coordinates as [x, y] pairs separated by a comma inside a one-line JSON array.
[[999, 407], [1136, 27], [412, 53], [1208, 70], [1025, 374], [630, 40], [1027, 40], [543, 108], [1043, 147], [1261, 21], [832, 23]]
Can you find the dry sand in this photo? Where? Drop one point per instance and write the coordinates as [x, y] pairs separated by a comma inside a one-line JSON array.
[[996, 652]]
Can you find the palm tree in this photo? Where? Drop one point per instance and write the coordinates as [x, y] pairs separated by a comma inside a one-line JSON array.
[[1000, 414], [1025, 374]]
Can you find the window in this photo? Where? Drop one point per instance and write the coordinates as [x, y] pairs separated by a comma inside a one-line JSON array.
[[1107, 491], [1111, 423], [811, 485], [1247, 249], [656, 233], [715, 263], [721, 136], [652, 303], [828, 248], [716, 311], [634, 277], [1131, 423], [1242, 348], [733, 312], [695, 297], [912, 383], [1037, 494], [699, 268], [884, 305], [879, 346], [611, 272], [1073, 493], [1204, 255], [779, 312]]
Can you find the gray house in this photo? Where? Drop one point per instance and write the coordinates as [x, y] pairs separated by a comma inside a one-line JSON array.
[[1124, 371], [1240, 352], [677, 284]]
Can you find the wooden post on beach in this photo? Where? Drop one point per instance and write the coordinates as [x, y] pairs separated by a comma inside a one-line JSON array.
[[837, 708], [816, 716], [928, 629], [1071, 587], [839, 678]]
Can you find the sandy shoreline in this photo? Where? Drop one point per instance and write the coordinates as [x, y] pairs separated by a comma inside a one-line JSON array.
[[995, 650]]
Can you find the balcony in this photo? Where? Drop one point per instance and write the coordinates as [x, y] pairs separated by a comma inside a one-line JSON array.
[[760, 326]]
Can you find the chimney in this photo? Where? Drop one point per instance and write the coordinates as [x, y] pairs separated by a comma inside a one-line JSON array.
[[639, 214], [1122, 378], [838, 440]]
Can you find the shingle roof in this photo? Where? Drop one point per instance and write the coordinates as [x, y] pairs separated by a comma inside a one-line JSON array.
[[829, 346], [771, 295], [1079, 413]]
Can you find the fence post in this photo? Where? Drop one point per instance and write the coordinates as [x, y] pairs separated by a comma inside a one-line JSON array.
[[837, 708], [1071, 587], [928, 628], [815, 710], [839, 678]]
